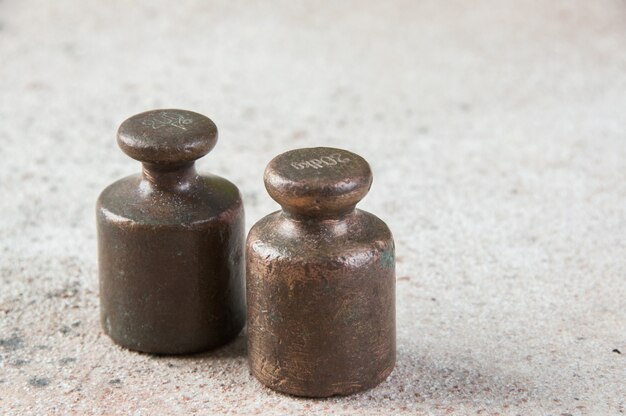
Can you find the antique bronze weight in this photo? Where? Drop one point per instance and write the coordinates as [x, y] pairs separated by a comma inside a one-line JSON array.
[[320, 279], [170, 241]]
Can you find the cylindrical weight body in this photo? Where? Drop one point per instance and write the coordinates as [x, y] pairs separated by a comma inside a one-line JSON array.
[[321, 311], [170, 288]]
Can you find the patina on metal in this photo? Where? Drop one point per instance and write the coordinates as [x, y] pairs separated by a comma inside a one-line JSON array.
[[170, 241], [320, 279]]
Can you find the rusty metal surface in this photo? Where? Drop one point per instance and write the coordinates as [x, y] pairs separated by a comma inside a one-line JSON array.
[[320, 279], [170, 241]]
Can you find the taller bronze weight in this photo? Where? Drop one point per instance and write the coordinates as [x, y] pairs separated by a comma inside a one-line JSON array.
[[170, 241], [320, 279]]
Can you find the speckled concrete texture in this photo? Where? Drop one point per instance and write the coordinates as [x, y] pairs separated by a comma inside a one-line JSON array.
[[497, 137]]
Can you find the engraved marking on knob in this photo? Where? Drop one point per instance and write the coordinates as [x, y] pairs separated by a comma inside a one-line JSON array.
[[320, 163], [167, 118]]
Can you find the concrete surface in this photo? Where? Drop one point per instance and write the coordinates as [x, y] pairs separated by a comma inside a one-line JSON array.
[[497, 135]]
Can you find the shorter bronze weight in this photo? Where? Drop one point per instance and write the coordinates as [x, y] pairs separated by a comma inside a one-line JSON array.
[[320, 279], [170, 241]]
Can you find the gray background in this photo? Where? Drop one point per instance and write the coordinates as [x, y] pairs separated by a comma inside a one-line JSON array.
[[496, 133]]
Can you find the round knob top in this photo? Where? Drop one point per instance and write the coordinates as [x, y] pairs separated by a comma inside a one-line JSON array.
[[318, 181], [167, 136]]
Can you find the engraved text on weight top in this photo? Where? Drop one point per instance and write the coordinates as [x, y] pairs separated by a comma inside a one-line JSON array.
[[167, 118], [321, 162]]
